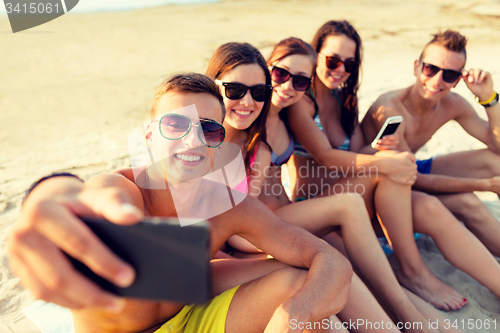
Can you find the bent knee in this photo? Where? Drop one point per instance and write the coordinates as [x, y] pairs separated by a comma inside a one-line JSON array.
[[426, 210], [289, 279], [347, 204], [425, 204], [468, 202], [431, 216], [492, 164]]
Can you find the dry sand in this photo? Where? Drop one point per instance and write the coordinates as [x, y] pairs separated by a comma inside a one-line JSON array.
[[73, 89]]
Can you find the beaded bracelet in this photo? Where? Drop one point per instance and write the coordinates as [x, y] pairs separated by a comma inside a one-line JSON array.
[[52, 175]]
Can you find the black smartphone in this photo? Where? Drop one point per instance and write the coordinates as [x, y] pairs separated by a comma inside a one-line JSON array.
[[172, 262]]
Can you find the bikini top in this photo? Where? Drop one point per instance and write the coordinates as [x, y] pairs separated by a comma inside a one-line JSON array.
[[243, 185], [300, 150], [283, 158]]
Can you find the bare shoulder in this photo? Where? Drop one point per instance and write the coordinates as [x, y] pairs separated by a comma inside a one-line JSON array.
[[456, 106], [263, 151], [305, 104], [120, 179], [386, 105], [391, 101]]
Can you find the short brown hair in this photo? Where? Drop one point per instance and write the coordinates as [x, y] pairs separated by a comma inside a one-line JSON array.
[[450, 39], [188, 83]]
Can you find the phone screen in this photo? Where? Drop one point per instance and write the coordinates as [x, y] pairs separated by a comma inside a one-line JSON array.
[[390, 129]]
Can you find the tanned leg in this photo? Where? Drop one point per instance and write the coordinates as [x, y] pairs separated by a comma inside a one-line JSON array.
[[457, 244], [394, 209], [347, 211], [481, 163], [476, 216], [255, 302]]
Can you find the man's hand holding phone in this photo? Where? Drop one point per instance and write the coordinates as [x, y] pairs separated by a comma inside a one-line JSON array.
[[47, 226], [387, 138], [388, 142]]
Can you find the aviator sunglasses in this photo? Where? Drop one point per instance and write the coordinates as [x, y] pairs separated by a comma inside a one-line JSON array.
[[299, 82], [449, 75], [234, 90], [175, 126], [334, 62]]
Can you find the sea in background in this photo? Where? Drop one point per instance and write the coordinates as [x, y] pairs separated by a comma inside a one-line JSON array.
[[87, 6]]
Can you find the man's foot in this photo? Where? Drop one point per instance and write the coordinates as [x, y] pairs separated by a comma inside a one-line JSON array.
[[431, 289]]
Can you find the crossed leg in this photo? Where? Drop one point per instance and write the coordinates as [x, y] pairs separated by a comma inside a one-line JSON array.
[[457, 244], [348, 212], [468, 208], [255, 302], [392, 202], [482, 163], [426, 309]]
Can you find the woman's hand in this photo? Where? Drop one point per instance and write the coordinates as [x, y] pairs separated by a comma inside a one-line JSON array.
[[401, 168]]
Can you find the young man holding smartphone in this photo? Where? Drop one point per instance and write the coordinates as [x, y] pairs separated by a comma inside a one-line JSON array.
[[429, 104], [264, 298]]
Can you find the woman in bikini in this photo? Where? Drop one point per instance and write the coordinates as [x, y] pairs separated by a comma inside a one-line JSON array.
[[291, 66], [325, 122]]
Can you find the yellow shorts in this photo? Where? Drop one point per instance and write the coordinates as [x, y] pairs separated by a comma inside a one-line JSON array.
[[206, 318]]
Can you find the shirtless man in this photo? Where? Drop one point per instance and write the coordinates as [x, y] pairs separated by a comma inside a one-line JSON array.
[[48, 224], [429, 104], [425, 107]]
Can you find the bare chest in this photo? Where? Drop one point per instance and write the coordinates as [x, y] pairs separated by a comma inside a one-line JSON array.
[[420, 129]]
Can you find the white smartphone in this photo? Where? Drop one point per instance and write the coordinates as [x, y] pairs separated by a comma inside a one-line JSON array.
[[390, 126]]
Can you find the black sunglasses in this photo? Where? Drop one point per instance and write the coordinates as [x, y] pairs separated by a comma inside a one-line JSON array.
[[299, 82], [449, 75], [234, 90], [334, 62], [175, 126]]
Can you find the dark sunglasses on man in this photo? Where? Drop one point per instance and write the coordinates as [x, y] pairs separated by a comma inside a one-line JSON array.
[[234, 90], [449, 75], [299, 82], [334, 62]]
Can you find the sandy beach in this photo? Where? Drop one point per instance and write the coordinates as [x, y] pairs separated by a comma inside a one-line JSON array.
[[73, 89]]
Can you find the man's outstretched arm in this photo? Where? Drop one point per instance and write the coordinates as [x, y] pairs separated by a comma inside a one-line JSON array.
[[48, 222]]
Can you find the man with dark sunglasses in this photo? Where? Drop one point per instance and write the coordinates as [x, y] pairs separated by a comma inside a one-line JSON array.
[[310, 283], [429, 104]]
